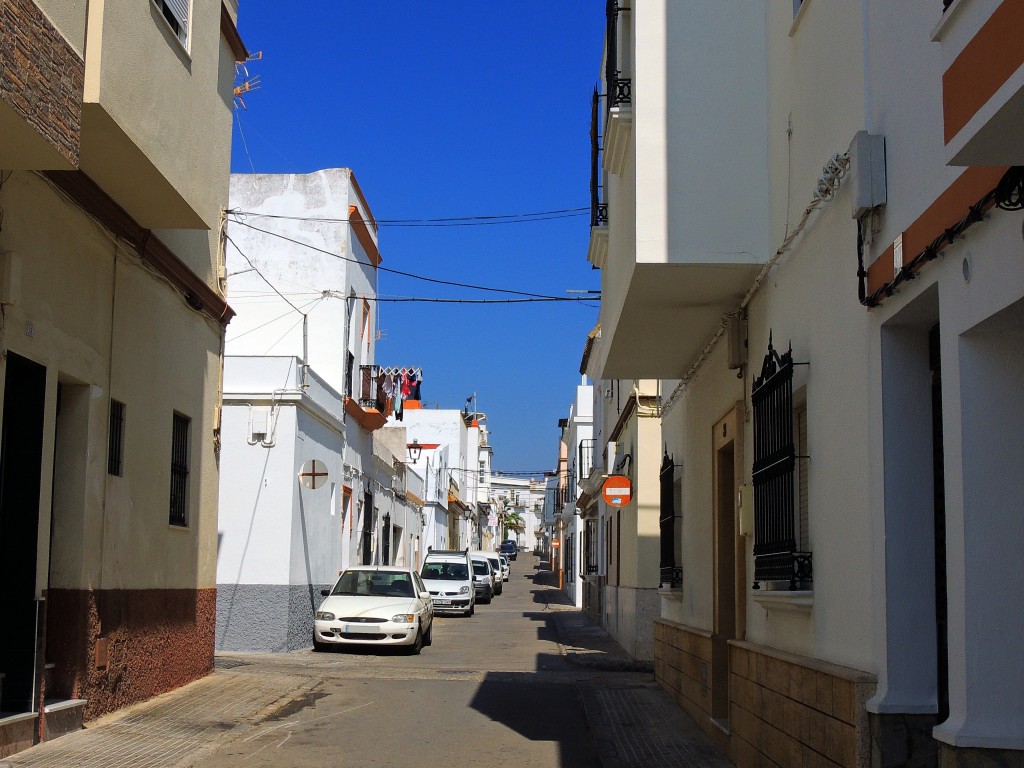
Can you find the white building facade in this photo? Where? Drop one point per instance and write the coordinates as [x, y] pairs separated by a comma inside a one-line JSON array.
[[309, 491], [807, 235]]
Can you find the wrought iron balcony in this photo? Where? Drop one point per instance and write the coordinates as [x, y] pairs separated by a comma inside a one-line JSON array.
[[671, 577], [371, 388], [793, 567], [585, 458], [598, 207]]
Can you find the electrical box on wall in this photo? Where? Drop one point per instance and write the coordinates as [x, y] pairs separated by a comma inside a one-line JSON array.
[[867, 172], [745, 509]]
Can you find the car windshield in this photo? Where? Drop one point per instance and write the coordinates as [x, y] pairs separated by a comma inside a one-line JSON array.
[[378, 583], [445, 571], [479, 568]]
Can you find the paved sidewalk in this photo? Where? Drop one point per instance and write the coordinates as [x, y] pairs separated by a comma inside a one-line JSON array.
[[636, 722], [174, 729]]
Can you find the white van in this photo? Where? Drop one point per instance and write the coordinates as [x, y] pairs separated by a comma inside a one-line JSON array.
[[448, 576]]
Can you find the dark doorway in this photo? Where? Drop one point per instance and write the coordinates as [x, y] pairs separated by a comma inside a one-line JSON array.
[[939, 486], [385, 540], [367, 532], [21, 455]]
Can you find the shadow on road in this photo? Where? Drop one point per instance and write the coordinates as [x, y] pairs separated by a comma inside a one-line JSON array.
[[541, 712]]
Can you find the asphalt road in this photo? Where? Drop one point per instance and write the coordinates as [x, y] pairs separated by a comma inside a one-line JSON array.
[[492, 690]]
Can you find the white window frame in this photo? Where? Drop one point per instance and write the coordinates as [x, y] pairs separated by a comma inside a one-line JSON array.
[[181, 10]]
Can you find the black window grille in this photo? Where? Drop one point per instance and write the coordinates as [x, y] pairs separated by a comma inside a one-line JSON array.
[[776, 557], [115, 440], [671, 574], [179, 470], [350, 361]]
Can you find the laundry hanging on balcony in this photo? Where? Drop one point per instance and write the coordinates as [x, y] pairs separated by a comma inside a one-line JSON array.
[[401, 384]]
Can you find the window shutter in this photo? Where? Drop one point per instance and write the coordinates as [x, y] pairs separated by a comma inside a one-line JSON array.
[[179, 9]]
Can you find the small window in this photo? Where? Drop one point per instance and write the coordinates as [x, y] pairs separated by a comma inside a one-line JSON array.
[[115, 440], [176, 14], [179, 470]]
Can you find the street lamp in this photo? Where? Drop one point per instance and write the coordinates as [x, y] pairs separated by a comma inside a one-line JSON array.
[[415, 450]]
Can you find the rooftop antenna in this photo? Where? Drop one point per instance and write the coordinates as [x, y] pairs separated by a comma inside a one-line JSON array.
[[249, 83]]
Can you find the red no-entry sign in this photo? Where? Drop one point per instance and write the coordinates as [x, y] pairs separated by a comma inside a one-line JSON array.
[[617, 491]]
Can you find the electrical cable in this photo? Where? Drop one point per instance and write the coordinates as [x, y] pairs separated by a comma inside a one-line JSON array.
[[395, 271], [422, 300], [509, 218], [272, 286]]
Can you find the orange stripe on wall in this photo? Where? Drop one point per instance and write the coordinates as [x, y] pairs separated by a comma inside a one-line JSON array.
[[982, 67], [363, 233], [949, 208]]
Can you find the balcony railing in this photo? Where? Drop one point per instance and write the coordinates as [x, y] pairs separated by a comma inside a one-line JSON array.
[[598, 208], [620, 89], [371, 388], [585, 457]]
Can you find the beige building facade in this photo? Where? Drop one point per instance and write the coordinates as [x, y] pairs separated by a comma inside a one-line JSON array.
[[116, 119]]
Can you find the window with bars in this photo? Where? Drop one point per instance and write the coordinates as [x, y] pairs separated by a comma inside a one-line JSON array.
[[115, 439], [780, 555], [671, 574], [176, 14], [179, 469]]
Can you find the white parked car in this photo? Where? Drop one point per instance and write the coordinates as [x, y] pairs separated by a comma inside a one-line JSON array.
[[483, 578], [506, 568], [448, 576], [375, 605]]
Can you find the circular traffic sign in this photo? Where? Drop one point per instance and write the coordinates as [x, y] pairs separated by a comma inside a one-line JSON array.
[[617, 490]]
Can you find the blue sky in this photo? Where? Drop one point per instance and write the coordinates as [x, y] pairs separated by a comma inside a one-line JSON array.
[[451, 109]]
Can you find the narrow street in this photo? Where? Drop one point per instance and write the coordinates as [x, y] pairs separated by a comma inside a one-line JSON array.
[[528, 681]]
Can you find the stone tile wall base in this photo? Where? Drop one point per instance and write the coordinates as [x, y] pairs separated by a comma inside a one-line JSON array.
[[784, 710], [17, 734], [903, 741], [954, 757]]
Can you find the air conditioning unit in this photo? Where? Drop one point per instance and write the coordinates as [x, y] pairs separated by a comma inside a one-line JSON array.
[[613, 448]]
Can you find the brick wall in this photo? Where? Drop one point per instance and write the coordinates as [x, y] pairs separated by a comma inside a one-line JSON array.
[[42, 78]]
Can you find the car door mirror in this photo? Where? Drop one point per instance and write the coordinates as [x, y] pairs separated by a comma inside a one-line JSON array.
[[325, 592], [424, 595]]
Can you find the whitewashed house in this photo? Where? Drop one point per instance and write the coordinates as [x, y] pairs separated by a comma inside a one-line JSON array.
[[307, 490]]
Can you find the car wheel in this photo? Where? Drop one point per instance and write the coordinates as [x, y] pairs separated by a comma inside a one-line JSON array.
[[417, 644], [428, 639], [318, 646], [472, 609]]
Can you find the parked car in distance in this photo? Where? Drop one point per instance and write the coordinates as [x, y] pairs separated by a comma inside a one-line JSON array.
[[509, 548], [483, 580], [448, 576], [492, 558], [375, 605], [506, 568]]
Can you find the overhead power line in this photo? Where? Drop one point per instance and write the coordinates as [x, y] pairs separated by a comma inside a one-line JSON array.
[[412, 275], [450, 221], [428, 300]]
